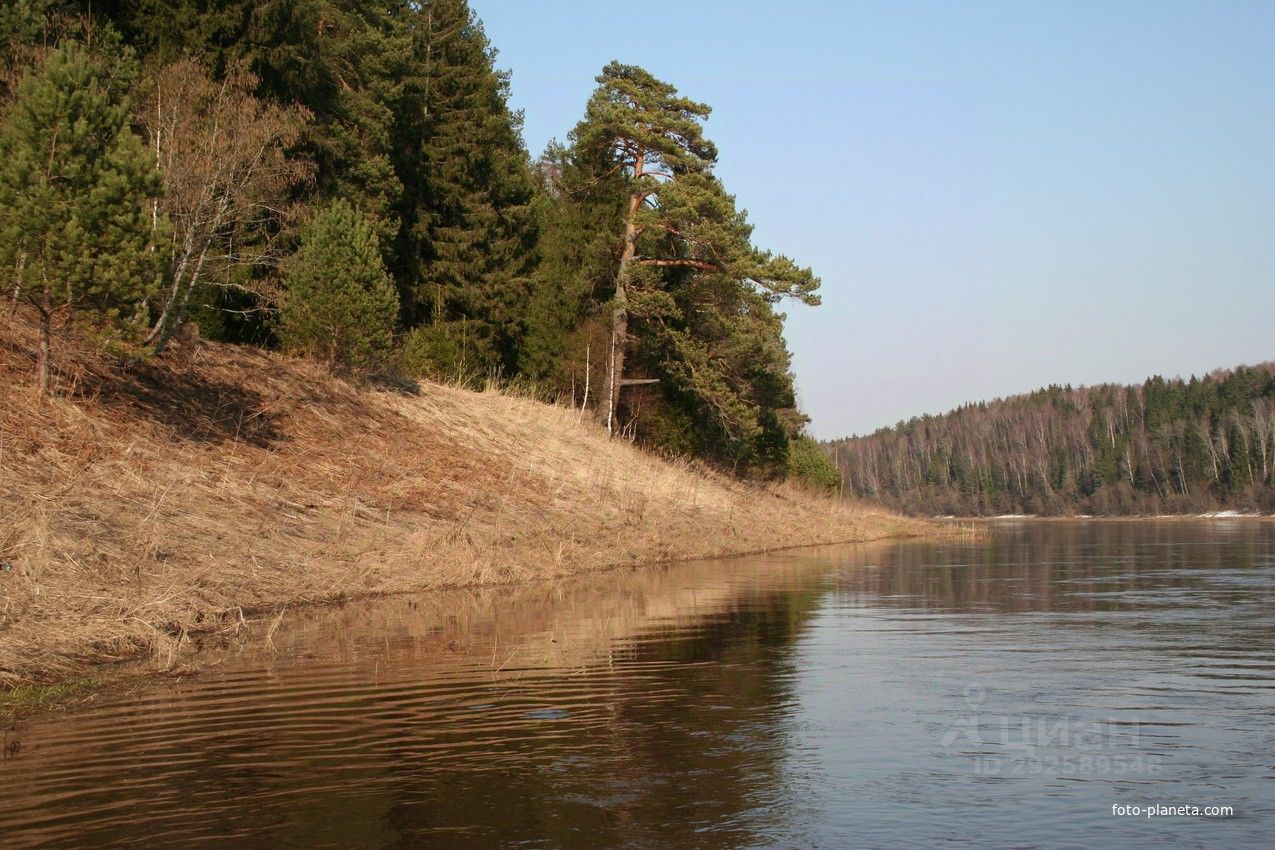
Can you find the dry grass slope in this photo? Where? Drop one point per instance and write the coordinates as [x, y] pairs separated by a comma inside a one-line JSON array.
[[152, 502]]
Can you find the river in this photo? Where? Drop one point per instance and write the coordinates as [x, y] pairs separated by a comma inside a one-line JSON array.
[[1006, 693]]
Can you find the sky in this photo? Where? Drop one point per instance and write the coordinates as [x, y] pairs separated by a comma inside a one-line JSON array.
[[997, 195]]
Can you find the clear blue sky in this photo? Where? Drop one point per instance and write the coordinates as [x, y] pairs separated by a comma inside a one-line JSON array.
[[997, 195]]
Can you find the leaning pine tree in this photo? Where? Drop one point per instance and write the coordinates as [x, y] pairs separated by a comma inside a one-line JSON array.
[[686, 250], [75, 225], [339, 304]]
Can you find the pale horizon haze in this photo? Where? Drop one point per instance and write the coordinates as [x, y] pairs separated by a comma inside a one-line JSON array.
[[997, 196]]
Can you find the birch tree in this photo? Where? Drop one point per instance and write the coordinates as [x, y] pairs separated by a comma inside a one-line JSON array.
[[224, 158]]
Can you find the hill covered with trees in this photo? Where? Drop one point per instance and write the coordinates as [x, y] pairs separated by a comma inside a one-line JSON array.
[[345, 180], [1164, 446]]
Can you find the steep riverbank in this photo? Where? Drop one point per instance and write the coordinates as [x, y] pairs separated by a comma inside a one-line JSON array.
[[147, 504]]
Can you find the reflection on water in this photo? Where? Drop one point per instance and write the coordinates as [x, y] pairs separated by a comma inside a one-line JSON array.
[[900, 695]]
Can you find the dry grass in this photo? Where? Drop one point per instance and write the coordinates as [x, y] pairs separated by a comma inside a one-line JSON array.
[[149, 502]]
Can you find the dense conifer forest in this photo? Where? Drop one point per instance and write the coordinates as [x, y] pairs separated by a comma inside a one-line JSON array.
[[1164, 446], [345, 180]]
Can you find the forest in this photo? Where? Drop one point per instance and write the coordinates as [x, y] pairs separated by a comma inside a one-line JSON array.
[[345, 180], [1161, 447]]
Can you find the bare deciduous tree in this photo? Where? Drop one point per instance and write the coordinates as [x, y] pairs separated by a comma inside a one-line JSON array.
[[227, 170]]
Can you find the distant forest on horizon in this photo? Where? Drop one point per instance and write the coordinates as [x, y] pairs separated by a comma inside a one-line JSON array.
[[1163, 446]]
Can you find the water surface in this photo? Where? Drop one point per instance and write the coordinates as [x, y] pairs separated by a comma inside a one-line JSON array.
[[913, 694]]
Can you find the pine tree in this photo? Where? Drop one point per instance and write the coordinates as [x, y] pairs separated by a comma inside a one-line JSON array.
[[75, 225], [809, 464], [687, 270], [339, 304]]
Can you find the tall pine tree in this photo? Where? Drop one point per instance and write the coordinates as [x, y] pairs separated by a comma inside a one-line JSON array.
[[687, 272]]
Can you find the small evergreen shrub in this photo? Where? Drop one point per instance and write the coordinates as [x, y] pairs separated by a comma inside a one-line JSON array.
[[810, 465], [339, 303]]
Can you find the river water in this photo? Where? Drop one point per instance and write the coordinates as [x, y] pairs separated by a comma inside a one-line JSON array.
[[1005, 693]]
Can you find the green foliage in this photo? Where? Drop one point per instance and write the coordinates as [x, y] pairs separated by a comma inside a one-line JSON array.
[[669, 429], [692, 296], [339, 304], [437, 352], [74, 180], [766, 455], [809, 464], [624, 234], [1165, 446], [468, 227], [579, 223], [631, 108]]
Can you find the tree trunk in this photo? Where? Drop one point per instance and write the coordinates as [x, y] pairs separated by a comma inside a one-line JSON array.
[[620, 314], [17, 282], [175, 309], [174, 292], [619, 334], [42, 355], [584, 402]]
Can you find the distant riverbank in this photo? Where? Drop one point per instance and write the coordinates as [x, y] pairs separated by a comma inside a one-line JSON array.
[[1194, 447]]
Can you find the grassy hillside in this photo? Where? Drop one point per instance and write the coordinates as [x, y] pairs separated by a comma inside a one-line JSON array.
[[148, 503]]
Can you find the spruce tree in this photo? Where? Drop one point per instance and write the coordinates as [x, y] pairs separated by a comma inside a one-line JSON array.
[[75, 227], [578, 226], [339, 304], [468, 225]]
